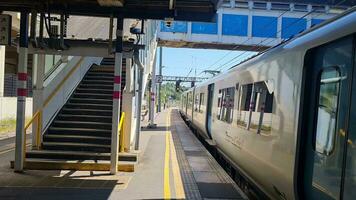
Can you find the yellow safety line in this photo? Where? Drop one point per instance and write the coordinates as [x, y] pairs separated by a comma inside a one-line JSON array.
[[167, 188], [178, 184]]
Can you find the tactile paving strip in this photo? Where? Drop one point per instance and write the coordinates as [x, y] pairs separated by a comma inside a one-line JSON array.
[[224, 188], [190, 187]]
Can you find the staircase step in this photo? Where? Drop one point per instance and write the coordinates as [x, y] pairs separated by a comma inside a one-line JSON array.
[[40, 164], [86, 112], [89, 106], [100, 82], [102, 78], [78, 155], [76, 139], [84, 118], [100, 74], [92, 95], [90, 101], [96, 86], [81, 124], [93, 90], [79, 131], [67, 155], [100, 148]]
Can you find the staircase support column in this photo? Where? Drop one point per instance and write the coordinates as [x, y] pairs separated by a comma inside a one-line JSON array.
[[21, 94], [128, 98], [37, 102], [152, 97], [116, 97]]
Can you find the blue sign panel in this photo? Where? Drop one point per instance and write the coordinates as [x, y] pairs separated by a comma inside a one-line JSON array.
[[177, 27], [204, 28], [292, 26], [264, 26], [234, 25], [316, 21]]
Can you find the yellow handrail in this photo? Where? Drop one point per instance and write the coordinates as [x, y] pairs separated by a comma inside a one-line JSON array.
[[38, 117], [121, 132]]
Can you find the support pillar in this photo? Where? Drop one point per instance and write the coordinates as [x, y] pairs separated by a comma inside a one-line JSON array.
[[116, 97], [140, 71], [160, 73], [2, 70], [128, 98], [152, 97], [37, 102], [21, 94]]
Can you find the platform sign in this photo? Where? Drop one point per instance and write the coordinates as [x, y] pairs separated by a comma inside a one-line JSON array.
[[5, 29], [159, 78]]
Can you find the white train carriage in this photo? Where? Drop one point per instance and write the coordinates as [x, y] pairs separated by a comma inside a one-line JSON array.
[[286, 118]]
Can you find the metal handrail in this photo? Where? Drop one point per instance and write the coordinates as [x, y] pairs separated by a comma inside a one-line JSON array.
[[121, 132], [38, 117]]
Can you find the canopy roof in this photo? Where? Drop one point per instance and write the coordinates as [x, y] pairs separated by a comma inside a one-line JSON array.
[[192, 10]]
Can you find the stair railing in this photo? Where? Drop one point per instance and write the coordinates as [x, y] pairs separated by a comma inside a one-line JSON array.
[[121, 132], [38, 118]]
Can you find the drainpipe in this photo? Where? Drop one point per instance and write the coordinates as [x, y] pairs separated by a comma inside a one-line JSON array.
[[140, 69]]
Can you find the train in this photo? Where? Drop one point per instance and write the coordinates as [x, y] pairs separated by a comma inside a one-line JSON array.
[[285, 119]]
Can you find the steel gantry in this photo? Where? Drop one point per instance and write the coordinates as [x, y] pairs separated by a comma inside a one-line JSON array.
[[183, 79]]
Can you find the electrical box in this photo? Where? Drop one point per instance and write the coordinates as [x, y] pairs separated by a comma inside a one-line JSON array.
[[5, 29]]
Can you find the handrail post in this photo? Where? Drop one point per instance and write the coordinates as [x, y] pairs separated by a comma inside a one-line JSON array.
[[39, 131], [122, 132]]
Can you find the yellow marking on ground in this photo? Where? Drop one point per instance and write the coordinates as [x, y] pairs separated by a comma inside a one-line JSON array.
[[167, 188]]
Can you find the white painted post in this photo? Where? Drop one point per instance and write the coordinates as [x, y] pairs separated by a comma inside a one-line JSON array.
[[153, 93], [37, 102], [2, 70], [21, 94], [116, 97], [127, 97]]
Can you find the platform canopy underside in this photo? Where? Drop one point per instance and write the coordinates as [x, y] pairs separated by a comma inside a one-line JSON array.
[[196, 10]]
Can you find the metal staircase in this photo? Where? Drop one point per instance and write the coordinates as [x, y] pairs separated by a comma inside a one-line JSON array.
[[82, 128]]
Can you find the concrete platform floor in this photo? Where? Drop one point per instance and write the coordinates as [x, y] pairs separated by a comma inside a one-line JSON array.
[[172, 165]]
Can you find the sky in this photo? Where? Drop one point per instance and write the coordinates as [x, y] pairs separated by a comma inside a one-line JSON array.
[[185, 61]]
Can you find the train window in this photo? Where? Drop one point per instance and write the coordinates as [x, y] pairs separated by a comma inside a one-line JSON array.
[[201, 102], [226, 104], [190, 101], [256, 107], [264, 108], [327, 110], [196, 103], [245, 98]]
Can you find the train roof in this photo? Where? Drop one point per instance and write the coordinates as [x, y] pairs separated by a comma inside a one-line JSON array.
[[336, 27]]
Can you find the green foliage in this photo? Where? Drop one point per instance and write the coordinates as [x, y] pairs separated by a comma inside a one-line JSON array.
[[169, 90]]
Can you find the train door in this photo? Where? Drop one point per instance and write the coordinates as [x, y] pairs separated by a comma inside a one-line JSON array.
[[326, 123], [209, 109]]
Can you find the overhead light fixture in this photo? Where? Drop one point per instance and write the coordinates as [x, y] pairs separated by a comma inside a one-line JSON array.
[[111, 3]]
